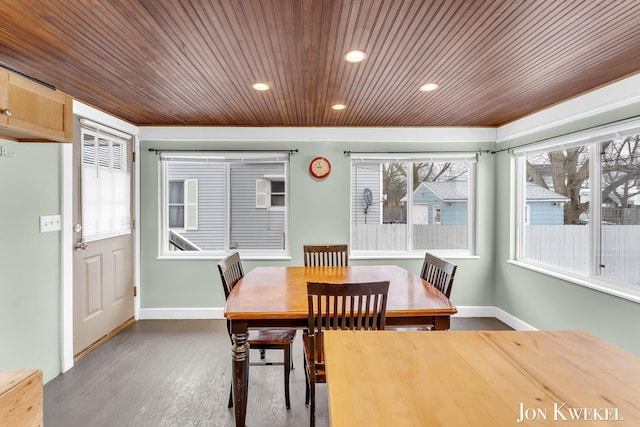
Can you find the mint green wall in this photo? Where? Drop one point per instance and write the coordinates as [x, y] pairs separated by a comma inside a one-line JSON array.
[[545, 302], [319, 213], [29, 260]]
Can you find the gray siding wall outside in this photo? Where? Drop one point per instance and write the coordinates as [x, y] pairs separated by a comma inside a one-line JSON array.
[[210, 234], [251, 227], [366, 175]]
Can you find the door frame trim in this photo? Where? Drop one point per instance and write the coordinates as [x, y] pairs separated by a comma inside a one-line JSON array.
[[66, 250], [66, 240]]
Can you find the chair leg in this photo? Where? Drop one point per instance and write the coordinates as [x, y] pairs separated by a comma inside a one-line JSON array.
[[287, 372], [306, 380], [230, 397], [312, 407]]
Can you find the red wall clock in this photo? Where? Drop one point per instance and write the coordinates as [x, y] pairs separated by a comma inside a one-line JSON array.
[[320, 167]]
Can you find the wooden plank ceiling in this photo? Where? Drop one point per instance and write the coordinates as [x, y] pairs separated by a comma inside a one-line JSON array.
[[192, 62]]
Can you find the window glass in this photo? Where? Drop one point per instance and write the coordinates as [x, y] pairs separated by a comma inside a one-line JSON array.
[[214, 204], [580, 208], [557, 203], [176, 204], [620, 210], [412, 205]]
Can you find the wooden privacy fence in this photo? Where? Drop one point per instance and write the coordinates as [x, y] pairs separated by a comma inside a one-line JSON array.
[[567, 246], [393, 237]]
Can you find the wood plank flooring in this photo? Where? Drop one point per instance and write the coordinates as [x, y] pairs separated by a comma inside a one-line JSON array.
[[176, 373]]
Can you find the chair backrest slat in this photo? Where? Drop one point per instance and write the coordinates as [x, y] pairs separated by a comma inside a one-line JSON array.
[[360, 306], [231, 272], [326, 255], [439, 272]]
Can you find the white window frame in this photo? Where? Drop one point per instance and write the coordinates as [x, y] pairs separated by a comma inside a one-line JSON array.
[[265, 193], [592, 139], [468, 157], [189, 204], [227, 158], [272, 179]]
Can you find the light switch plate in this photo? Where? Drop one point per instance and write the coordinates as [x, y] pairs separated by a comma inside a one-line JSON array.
[[50, 223]]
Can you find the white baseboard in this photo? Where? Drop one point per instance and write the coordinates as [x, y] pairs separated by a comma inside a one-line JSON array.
[[218, 313], [476, 311], [514, 322], [498, 313], [182, 313]]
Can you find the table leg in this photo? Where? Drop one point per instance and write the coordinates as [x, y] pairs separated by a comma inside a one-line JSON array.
[[441, 323], [240, 368]]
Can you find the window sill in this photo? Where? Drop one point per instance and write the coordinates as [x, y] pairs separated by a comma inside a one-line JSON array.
[[611, 288]]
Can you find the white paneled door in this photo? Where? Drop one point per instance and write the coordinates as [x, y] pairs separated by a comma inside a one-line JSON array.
[[103, 284]]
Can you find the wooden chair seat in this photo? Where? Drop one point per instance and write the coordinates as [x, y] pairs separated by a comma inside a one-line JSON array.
[[271, 337]]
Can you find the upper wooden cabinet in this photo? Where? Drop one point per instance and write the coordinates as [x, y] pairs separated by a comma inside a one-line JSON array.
[[32, 112]]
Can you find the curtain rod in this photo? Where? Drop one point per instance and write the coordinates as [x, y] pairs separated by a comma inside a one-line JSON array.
[[169, 150], [348, 153], [602, 127]]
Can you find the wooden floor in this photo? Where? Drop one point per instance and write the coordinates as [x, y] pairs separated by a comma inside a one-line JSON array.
[[177, 373]]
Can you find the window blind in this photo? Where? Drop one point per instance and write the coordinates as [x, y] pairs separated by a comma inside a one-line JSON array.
[[105, 184]]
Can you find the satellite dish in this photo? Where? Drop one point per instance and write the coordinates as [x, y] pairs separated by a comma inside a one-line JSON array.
[[368, 196]]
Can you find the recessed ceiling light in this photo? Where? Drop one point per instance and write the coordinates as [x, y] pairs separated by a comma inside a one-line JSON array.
[[260, 86], [355, 55], [429, 87], [338, 106]]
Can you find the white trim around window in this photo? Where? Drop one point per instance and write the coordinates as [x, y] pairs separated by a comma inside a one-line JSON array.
[[218, 220], [382, 217], [594, 239]]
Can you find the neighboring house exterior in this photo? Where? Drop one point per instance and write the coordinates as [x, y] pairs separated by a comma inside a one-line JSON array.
[[445, 202], [543, 206], [256, 205], [442, 202]]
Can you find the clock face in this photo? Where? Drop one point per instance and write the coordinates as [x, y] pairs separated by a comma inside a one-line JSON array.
[[320, 167]]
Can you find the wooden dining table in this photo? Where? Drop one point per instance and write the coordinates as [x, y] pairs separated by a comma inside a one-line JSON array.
[[276, 297], [491, 378]]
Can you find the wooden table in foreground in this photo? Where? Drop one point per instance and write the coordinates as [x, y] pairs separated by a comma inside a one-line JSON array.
[[276, 297], [21, 398], [498, 378]]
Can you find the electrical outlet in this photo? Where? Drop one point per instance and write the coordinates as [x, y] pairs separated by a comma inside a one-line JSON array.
[[50, 223]]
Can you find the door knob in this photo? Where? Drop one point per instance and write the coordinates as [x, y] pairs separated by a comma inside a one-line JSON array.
[[80, 246], [7, 112]]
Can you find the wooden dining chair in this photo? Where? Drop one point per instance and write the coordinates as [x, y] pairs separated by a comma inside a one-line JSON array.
[[231, 272], [354, 306], [325, 255], [439, 272]]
